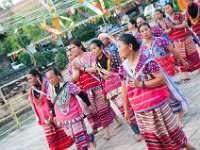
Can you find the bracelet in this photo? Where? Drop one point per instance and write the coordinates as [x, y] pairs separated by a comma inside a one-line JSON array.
[[143, 84]]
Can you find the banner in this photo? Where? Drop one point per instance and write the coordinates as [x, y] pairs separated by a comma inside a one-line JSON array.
[[100, 8], [118, 2], [49, 29], [92, 7], [68, 19], [71, 11], [54, 15]]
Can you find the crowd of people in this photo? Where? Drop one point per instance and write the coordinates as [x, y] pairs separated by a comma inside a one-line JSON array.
[[137, 72]]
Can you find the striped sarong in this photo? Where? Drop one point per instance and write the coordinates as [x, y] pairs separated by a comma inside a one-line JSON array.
[[102, 107], [160, 130], [56, 137], [77, 130], [187, 50]]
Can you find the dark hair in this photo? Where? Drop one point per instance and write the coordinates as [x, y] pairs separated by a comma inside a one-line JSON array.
[[143, 24], [78, 43], [160, 11], [133, 22], [97, 43], [170, 4], [55, 71], [143, 17], [39, 68], [34, 72], [129, 39]]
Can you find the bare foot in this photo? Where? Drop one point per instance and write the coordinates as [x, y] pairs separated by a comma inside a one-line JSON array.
[[180, 119], [93, 145], [106, 133], [95, 131], [107, 137], [119, 124], [137, 137], [190, 147]]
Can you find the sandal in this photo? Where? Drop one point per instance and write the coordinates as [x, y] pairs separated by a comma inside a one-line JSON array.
[[95, 131], [107, 138], [185, 80], [137, 138], [118, 125]]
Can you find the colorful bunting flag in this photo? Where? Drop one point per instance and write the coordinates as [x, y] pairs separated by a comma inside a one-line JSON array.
[[71, 11], [90, 6], [49, 29]]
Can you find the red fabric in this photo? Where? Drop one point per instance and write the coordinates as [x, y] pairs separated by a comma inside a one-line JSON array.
[[57, 138], [42, 111], [87, 81], [110, 83], [160, 130], [167, 63], [177, 34], [146, 98]]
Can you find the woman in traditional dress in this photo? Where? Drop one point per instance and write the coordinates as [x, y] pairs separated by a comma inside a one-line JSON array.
[[71, 72], [159, 49], [134, 31], [108, 70], [55, 136], [143, 86], [110, 45], [159, 18], [72, 75], [90, 82], [68, 112], [155, 29], [193, 16], [178, 33]]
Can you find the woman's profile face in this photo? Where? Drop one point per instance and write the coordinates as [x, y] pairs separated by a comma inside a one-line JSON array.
[[70, 56], [140, 21], [96, 51], [123, 49], [131, 26], [32, 79], [158, 15], [75, 49], [145, 31], [52, 78], [168, 9], [105, 41]]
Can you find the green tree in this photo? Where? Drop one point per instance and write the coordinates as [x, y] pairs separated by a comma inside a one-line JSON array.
[[61, 60], [49, 55], [25, 58], [40, 58], [23, 40], [10, 44]]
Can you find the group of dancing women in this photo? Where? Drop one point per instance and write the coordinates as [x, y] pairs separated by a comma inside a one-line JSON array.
[[136, 73]]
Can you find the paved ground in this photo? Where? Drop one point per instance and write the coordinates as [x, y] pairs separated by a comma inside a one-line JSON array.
[[31, 136]]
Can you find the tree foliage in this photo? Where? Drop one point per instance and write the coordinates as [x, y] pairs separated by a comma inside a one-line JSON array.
[[44, 58], [10, 44], [25, 58], [60, 61]]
